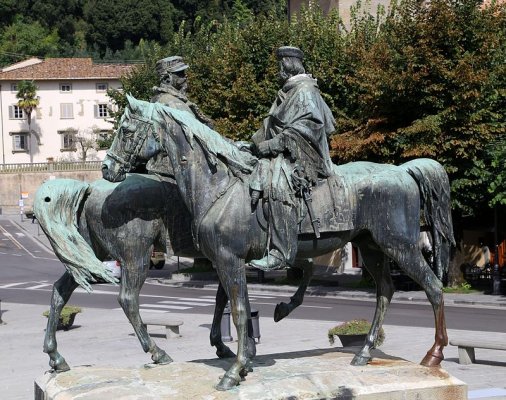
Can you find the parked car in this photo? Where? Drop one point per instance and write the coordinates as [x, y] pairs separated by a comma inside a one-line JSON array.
[[114, 267], [157, 260]]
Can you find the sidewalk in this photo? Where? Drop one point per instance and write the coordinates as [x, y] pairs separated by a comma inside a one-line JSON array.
[[105, 337]]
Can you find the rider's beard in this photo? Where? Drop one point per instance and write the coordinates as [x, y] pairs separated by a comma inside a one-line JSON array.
[[184, 87], [283, 77]]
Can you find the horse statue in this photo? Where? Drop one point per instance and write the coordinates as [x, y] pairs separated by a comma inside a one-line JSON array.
[[381, 211], [86, 223]]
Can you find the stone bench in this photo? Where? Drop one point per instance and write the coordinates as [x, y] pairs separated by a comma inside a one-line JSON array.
[[466, 348], [171, 325]]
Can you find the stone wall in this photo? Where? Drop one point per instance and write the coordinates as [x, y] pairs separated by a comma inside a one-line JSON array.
[[13, 184]]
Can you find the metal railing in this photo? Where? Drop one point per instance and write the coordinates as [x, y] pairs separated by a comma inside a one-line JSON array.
[[51, 167]]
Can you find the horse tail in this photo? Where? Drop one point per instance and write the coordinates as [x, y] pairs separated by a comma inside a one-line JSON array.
[[57, 206], [434, 188]]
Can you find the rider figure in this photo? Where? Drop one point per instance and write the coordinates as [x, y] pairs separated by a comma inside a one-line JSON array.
[[291, 144], [173, 86], [172, 92]]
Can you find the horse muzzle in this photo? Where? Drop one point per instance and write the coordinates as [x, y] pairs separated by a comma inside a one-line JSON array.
[[112, 171]]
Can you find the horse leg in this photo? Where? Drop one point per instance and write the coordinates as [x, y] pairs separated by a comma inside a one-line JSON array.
[[414, 264], [132, 280], [375, 262], [282, 309], [222, 351], [62, 290], [232, 274]]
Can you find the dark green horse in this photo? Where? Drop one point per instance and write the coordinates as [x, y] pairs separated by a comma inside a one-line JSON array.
[[386, 205]]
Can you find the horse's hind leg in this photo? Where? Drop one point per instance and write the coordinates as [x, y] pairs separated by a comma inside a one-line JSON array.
[[414, 264], [375, 262], [132, 279], [62, 290], [222, 351], [282, 309]]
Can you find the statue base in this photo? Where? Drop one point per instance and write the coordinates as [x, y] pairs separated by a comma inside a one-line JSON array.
[[317, 374]]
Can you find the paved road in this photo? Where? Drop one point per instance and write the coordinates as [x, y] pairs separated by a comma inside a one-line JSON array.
[[28, 270]]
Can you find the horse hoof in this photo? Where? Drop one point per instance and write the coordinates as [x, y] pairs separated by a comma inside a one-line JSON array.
[[226, 383], [163, 359], [360, 361], [432, 359], [281, 311], [59, 366], [247, 368], [225, 352]]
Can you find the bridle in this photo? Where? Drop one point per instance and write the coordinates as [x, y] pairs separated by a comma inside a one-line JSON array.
[[144, 127]]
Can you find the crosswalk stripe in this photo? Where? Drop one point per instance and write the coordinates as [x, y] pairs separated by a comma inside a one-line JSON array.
[[186, 303], [251, 296], [19, 234], [39, 286], [191, 299], [170, 307], [13, 284]]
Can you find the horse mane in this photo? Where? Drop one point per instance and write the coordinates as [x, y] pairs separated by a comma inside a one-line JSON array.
[[214, 145]]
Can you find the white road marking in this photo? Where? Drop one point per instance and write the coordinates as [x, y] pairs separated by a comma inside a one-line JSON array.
[[186, 303], [19, 234], [191, 299], [9, 285], [39, 286], [169, 307]]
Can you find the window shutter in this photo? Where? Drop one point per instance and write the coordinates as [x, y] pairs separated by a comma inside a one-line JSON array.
[[95, 108], [11, 112]]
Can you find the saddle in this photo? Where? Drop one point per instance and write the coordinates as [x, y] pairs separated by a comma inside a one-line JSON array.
[[332, 208]]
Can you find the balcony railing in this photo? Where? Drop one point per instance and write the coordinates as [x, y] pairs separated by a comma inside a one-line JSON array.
[[51, 167]]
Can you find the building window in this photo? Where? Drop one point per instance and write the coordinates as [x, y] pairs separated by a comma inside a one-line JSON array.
[[66, 111], [101, 111], [14, 88], [65, 87], [102, 87], [68, 140], [104, 139], [16, 112], [20, 142]]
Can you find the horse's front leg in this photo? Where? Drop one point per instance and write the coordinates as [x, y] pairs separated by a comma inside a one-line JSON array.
[[282, 309], [232, 273], [62, 290], [222, 351], [132, 280]]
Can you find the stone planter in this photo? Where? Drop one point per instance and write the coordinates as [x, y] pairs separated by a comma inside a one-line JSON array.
[[65, 325], [352, 340]]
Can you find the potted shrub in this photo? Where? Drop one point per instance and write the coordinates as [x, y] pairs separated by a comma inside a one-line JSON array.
[[67, 316], [354, 332]]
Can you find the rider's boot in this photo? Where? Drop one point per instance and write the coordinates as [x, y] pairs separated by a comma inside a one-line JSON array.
[[273, 260]]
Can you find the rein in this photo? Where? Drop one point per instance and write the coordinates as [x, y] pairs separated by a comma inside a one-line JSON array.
[[145, 127]]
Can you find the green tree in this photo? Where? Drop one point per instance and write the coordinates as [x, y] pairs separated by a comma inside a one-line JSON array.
[[28, 101], [21, 40], [111, 23]]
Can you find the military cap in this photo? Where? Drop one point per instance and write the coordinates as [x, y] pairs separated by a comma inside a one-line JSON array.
[[171, 64], [289, 51]]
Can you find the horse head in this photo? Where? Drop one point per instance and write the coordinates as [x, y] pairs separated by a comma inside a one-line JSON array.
[[136, 141]]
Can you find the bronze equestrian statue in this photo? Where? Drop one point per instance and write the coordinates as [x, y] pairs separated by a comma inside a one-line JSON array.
[[384, 204]]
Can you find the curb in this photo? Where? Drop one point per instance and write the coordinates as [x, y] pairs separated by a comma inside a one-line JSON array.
[[325, 292]]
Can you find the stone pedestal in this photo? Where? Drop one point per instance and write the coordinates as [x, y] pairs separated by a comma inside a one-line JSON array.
[[302, 375]]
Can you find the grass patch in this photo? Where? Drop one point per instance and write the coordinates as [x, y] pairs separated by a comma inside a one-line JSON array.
[[463, 288]]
